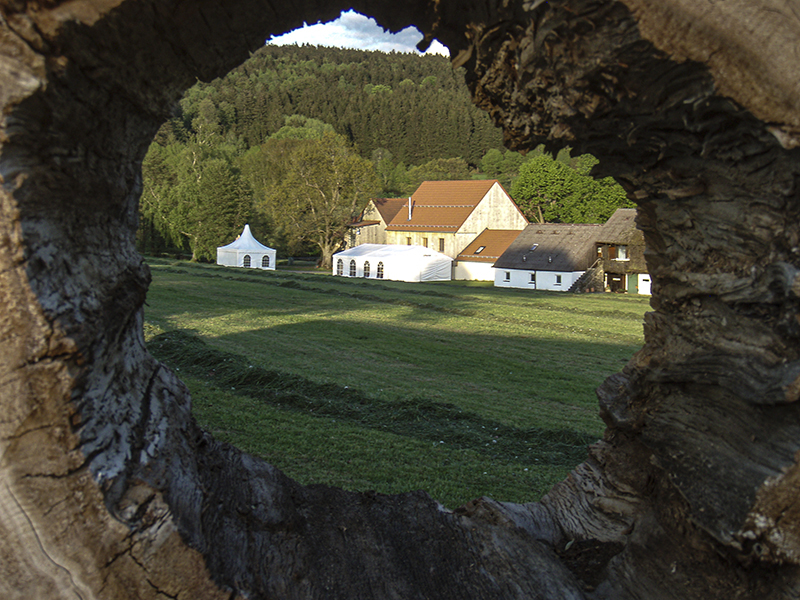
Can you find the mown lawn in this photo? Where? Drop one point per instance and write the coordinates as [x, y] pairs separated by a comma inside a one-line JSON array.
[[461, 390]]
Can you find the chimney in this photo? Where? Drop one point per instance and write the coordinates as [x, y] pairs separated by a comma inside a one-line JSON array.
[[409, 208]]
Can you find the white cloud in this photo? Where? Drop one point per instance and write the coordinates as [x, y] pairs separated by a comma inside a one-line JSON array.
[[354, 30]]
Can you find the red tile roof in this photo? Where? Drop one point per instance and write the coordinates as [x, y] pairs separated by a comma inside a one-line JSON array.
[[389, 207], [441, 206], [491, 243], [386, 207]]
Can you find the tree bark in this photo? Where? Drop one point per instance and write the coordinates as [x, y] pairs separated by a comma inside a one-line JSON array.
[[110, 490]]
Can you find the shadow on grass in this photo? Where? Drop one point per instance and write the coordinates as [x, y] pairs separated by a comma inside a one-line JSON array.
[[416, 417]]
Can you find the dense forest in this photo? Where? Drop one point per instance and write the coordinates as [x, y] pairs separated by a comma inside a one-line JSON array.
[[238, 150], [416, 107]]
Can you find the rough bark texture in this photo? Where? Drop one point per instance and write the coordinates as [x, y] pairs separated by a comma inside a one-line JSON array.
[[109, 489]]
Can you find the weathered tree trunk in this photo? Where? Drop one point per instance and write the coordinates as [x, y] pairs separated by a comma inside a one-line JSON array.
[[110, 490]]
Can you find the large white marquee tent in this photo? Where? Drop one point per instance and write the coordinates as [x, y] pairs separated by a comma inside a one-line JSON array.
[[246, 252], [399, 263]]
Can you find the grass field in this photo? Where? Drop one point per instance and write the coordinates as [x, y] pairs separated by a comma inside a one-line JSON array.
[[461, 390]]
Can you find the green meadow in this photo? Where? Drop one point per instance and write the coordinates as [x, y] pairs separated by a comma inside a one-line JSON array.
[[456, 388]]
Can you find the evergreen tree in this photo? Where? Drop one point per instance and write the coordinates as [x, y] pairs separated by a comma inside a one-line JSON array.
[[415, 106], [440, 169]]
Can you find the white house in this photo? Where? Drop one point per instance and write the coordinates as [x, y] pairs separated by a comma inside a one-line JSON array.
[[399, 263], [246, 251], [547, 256]]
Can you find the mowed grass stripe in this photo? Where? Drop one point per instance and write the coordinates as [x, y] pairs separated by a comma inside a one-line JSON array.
[[416, 417], [314, 449]]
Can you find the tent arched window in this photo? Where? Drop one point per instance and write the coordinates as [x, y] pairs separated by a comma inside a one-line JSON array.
[[246, 261], [379, 274], [366, 268], [265, 262], [352, 268], [339, 267]]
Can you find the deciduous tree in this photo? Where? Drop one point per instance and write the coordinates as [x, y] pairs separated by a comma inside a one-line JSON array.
[[549, 190], [318, 186]]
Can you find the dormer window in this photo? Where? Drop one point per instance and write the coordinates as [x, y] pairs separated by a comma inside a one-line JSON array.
[[618, 253]]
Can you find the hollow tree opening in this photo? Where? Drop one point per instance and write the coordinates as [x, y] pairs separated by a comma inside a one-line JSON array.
[[393, 363], [109, 490]]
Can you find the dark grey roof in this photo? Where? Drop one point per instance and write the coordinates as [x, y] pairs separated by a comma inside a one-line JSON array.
[[621, 228], [552, 247]]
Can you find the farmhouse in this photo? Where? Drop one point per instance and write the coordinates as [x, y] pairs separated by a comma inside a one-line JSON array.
[[547, 256], [399, 263], [620, 252], [476, 261], [448, 215], [246, 251], [370, 228], [565, 257]]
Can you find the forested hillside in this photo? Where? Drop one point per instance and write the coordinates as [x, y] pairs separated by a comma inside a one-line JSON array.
[[239, 147], [417, 107]]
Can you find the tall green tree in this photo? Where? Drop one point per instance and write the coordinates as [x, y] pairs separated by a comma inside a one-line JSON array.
[[193, 194], [549, 190], [196, 204], [492, 162], [318, 186], [393, 177]]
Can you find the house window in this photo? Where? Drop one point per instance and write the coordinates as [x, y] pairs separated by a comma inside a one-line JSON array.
[[265, 262], [533, 280], [366, 268], [339, 267], [622, 253], [408, 241], [558, 279], [425, 242], [352, 268], [480, 249], [246, 261], [379, 274], [441, 244], [612, 253], [507, 276]]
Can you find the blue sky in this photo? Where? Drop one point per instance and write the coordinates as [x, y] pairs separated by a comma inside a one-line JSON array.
[[354, 30]]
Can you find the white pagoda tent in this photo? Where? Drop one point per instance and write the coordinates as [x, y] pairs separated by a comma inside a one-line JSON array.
[[246, 252], [400, 263]]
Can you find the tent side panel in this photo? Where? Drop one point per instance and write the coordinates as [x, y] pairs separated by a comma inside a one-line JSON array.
[[435, 269], [273, 260], [227, 258]]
